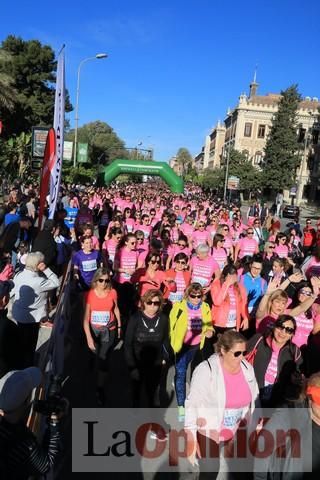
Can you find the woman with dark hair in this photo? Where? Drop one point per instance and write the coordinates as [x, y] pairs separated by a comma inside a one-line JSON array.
[[102, 324], [279, 269], [269, 354], [213, 410], [229, 302], [311, 265], [151, 277], [190, 324], [111, 244], [181, 276], [219, 253], [180, 247], [128, 220], [282, 249], [146, 340]]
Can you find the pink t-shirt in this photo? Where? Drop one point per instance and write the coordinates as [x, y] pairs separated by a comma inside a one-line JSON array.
[[228, 244], [313, 268], [173, 250], [272, 369], [110, 246], [127, 259], [220, 256], [187, 229], [181, 286], [232, 314], [212, 229], [282, 251], [203, 270], [235, 404], [130, 225], [193, 335], [248, 246], [200, 237], [146, 229], [304, 328]]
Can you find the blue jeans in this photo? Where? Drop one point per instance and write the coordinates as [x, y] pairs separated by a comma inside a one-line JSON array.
[[184, 357]]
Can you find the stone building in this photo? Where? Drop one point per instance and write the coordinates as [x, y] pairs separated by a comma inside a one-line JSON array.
[[247, 126]]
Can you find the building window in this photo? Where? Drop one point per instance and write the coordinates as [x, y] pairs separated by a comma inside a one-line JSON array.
[[247, 129], [258, 158], [261, 131]]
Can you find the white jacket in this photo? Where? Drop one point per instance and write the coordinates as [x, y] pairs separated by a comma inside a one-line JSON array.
[[207, 397]]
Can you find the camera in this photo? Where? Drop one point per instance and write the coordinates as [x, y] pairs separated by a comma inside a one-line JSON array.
[[54, 403]]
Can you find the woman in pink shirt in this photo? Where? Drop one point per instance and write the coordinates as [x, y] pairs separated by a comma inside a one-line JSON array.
[[213, 225], [203, 267], [87, 230], [282, 249], [246, 246], [180, 247], [201, 236], [151, 277], [128, 220], [110, 245], [228, 244], [145, 226], [309, 321], [219, 253]]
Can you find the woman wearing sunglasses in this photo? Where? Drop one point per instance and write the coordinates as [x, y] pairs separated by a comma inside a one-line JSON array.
[[145, 341], [181, 277], [268, 257], [152, 277], [180, 247], [246, 246], [201, 236], [110, 245], [270, 353], [219, 253], [282, 249], [190, 324], [102, 325], [128, 220], [212, 399]]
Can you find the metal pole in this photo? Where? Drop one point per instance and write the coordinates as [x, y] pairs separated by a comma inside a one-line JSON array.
[[98, 56], [303, 160], [227, 165]]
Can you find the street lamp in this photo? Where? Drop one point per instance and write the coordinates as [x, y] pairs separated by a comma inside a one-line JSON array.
[[304, 157], [227, 164], [98, 56]]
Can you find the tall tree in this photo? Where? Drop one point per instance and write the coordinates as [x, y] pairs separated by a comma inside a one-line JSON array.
[[282, 149], [104, 143], [32, 67], [184, 160], [8, 94], [241, 167]]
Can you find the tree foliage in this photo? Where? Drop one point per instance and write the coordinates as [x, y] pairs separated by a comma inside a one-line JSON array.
[[8, 94], [281, 150], [213, 179], [240, 166], [104, 143], [184, 160], [31, 67]]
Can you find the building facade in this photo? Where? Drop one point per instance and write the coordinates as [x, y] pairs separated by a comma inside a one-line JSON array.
[[246, 128]]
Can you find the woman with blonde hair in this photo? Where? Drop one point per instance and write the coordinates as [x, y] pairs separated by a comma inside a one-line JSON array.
[[190, 323]]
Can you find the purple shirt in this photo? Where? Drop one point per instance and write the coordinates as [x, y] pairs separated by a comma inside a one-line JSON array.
[[87, 264]]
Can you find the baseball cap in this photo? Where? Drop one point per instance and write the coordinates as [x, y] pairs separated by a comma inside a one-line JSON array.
[[16, 386]]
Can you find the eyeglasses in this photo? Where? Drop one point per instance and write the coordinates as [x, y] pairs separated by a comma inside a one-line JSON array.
[[182, 262], [155, 261], [288, 330], [193, 295], [155, 303], [103, 280], [249, 233], [239, 352], [306, 293]]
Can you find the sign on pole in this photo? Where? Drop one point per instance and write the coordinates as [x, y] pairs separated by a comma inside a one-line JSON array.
[[82, 153], [39, 138], [233, 183], [67, 151]]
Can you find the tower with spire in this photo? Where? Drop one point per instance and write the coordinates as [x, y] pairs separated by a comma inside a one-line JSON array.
[[254, 85]]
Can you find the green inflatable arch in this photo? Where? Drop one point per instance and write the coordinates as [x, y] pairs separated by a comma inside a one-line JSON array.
[[142, 167]]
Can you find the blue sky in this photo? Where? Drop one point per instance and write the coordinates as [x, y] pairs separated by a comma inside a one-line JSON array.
[[174, 66]]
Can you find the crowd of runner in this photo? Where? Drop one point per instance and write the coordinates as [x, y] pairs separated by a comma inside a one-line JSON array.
[[177, 278]]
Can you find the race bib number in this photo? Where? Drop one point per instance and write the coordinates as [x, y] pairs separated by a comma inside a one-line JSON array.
[[89, 265], [203, 281], [232, 320], [100, 319], [232, 417], [175, 297]]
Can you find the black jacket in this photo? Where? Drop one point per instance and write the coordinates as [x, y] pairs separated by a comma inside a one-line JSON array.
[[44, 243], [288, 354], [146, 340]]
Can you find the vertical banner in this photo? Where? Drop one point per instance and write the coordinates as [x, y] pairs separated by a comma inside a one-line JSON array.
[[47, 165], [58, 125], [82, 153]]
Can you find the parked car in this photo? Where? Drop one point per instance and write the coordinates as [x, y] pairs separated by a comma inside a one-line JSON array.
[[291, 211]]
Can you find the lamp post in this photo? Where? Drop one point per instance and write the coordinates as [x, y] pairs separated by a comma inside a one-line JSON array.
[[98, 56], [227, 164], [304, 157]]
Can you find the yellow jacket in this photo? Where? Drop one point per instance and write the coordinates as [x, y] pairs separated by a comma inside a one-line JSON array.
[[178, 320]]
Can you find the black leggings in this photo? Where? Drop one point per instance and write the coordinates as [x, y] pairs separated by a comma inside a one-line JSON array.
[[104, 340]]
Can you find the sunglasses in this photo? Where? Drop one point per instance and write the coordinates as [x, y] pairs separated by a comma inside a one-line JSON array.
[[271, 247], [249, 233], [140, 238], [306, 293], [103, 280], [288, 330], [222, 240], [239, 352], [182, 244], [155, 261], [182, 262], [193, 295], [155, 303]]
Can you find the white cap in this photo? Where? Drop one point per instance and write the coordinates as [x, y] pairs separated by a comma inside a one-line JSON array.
[[16, 386]]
